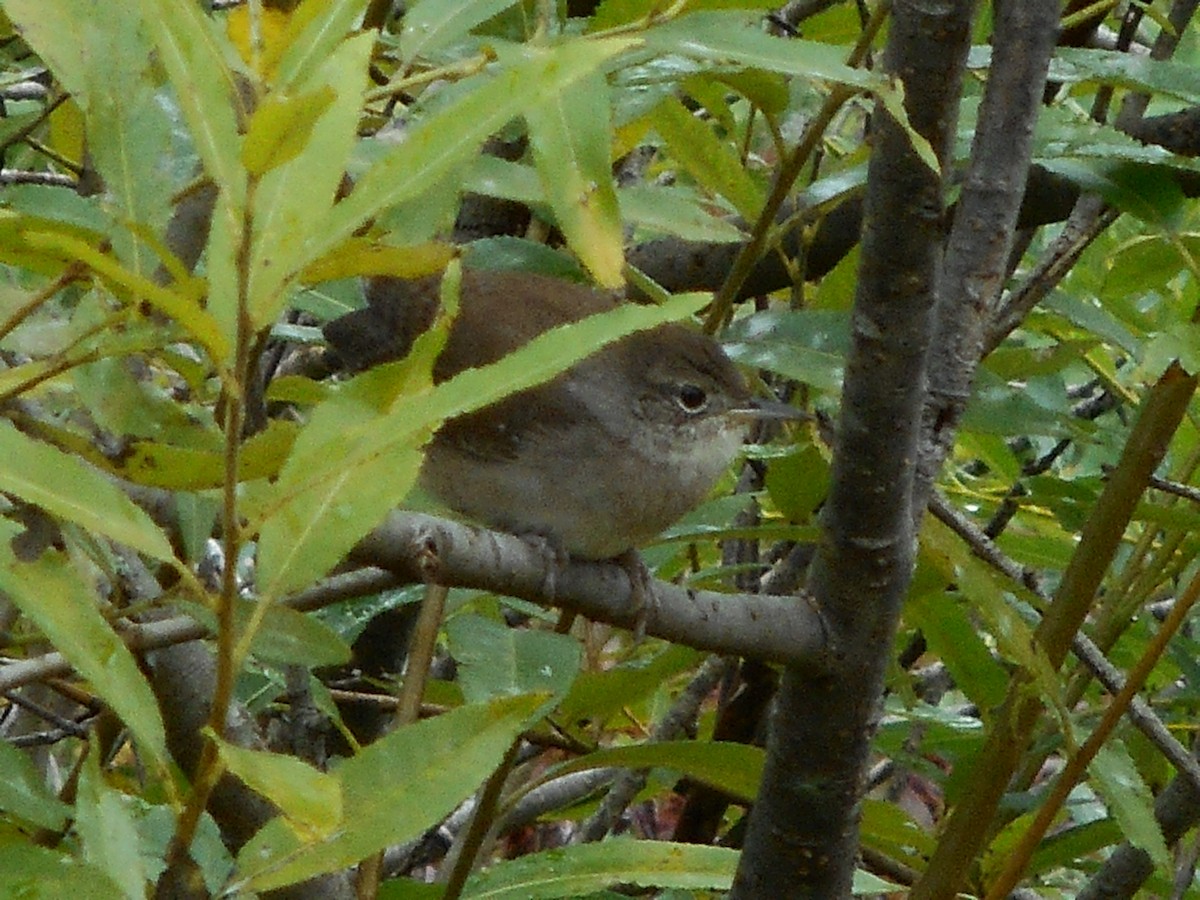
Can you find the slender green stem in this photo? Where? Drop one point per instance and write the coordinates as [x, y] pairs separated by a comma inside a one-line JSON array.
[[1018, 859], [420, 653], [482, 819], [752, 251], [208, 770]]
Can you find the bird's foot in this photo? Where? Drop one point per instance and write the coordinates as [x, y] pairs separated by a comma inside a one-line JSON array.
[[641, 590]]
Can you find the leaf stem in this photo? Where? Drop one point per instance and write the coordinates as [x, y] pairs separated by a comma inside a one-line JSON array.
[[1073, 771], [753, 250], [209, 770]]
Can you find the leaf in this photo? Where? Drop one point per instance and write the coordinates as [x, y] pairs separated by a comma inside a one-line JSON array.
[[197, 64], [571, 136], [433, 24], [798, 482], [807, 345], [731, 767], [314, 28], [309, 800], [393, 791], [285, 636], [280, 128], [292, 200], [674, 210], [57, 599], [712, 162], [107, 829], [35, 873], [446, 139], [361, 256], [1116, 779], [590, 868], [891, 97], [1134, 71], [494, 660], [125, 123], [64, 486], [192, 54], [182, 305], [955, 642], [597, 696], [732, 37], [179, 468], [24, 795]]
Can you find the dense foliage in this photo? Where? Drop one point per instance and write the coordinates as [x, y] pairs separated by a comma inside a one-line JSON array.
[[206, 604]]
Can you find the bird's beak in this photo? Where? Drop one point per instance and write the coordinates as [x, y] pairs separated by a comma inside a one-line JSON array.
[[757, 410]]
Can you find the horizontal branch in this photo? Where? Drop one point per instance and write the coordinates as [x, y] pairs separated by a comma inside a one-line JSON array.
[[418, 547], [411, 548]]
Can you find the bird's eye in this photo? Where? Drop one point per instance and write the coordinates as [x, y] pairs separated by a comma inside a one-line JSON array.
[[691, 398]]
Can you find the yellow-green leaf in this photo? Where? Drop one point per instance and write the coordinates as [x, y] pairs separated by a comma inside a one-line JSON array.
[[571, 135], [712, 162], [55, 596], [393, 791], [280, 128], [70, 489], [310, 800], [358, 257], [446, 139]]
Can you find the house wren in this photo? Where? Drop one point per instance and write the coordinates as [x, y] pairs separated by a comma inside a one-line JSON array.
[[598, 460]]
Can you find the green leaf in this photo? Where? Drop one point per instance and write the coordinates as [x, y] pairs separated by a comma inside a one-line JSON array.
[[433, 24], [730, 37], [107, 829], [891, 830], [1127, 70], [280, 128], [808, 345], [393, 791], [955, 642], [571, 134], [285, 636], [446, 139], [57, 599], [35, 873], [598, 696], [126, 124], [891, 97], [361, 256], [179, 301], [731, 767], [494, 177], [314, 29], [798, 482], [674, 210], [589, 868], [195, 59], [68, 488], [309, 799], [1115, 778], [24, 795], [714, 163], [990, 595], [194, 469], [494, 660], [293, 199]]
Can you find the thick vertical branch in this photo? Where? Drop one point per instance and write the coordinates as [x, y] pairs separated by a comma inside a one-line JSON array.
[[803, 835], [985, 221]]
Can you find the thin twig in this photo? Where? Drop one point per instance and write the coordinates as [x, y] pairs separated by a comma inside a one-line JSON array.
[[1084, 649]]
